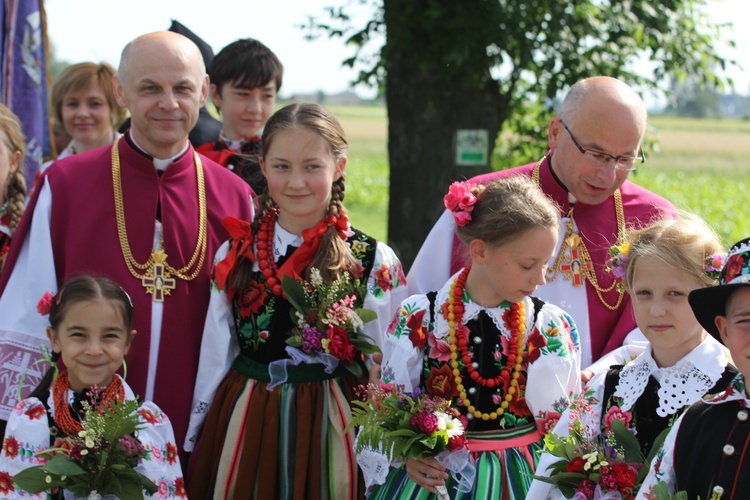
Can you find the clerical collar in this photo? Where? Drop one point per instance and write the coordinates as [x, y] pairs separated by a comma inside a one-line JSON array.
[[160, 164], [571, 198]]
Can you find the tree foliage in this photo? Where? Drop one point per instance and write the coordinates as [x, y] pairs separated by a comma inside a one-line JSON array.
[[514, 57]]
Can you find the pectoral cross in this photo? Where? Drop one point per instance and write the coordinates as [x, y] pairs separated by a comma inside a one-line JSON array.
[[575, 267], [157, 281]]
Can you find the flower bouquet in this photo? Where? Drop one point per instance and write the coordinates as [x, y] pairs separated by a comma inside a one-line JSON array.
[[99, 461], [403, 426], [603, 467], [329, 321]]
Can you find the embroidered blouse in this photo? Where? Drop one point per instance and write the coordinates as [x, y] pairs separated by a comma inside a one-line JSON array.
[[551, 370], [31, 428]]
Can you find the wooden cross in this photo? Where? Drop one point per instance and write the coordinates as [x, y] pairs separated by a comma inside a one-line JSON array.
[[575, 266], [158, 285]]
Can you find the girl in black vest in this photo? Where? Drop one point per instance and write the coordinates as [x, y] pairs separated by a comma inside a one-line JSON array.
[[659, 266], [705, 453], [269, 435]]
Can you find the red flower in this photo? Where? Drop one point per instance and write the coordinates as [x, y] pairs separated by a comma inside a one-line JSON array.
[[6, 483], [625, 476], [457, 442], [441, 382], [734, 267], [575, 465], [616, 413], [439, 349], [587, 488], [45, 303], [179, 487], [425, 421], [417, 333], [339, 344], [536, 342], [549, 422], [35, 412], [252, 299], [385, 280], [148, 416], [171, 453], [10, 447]]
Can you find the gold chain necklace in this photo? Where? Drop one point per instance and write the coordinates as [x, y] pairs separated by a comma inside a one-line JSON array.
[[576, 265], [157, 278]]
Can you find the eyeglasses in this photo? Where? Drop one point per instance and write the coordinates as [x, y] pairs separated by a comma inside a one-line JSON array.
[[601, 159]]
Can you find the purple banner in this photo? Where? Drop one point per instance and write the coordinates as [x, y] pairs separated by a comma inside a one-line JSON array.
[[24, 76]]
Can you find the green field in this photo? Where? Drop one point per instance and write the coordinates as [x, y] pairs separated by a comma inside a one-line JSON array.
[[700, 165]]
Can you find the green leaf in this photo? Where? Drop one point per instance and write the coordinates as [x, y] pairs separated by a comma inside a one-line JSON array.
[[63, 466], [363, 346], [33, 480], [627, 441], [354, 368], [295, 294], [366, 315], [148, 484]]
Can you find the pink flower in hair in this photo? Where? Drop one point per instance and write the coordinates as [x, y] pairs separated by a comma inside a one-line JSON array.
[[460, 201], [45, 303]]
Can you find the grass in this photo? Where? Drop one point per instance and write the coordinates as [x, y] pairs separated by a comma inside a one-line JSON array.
[[700, 165]]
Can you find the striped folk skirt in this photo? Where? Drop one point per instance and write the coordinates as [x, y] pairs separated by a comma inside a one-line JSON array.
[[503, 469], [286, 443]]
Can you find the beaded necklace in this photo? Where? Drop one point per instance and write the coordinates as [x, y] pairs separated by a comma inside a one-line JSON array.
[[63, 417], [459, 343], [266, 262]]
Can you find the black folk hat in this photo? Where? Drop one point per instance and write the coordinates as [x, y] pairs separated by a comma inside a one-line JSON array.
[[709, 302]]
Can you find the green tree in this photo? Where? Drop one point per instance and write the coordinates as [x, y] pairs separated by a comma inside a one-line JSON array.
[[499, 65]]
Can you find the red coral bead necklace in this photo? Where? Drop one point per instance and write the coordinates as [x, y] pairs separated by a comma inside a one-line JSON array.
[[63, 417], [264, 254], [459, 346]]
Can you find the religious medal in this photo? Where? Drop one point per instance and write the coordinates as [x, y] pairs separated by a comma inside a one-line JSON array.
[[157, 280], [573, 260], [157, 275], [573, 265]]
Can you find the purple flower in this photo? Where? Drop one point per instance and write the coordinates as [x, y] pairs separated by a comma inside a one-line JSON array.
[[311, 340]]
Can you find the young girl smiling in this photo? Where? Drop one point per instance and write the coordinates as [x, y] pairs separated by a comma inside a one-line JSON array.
[[90, 330]]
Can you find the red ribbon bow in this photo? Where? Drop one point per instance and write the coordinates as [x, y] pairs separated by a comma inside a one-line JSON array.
[[302, 257], [241, 245]]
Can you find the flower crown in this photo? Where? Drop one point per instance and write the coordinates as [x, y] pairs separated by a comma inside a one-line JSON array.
[[618, 258], [460, 201], [714, 265]]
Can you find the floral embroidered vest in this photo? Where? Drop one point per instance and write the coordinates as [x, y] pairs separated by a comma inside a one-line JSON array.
[[263, 321]]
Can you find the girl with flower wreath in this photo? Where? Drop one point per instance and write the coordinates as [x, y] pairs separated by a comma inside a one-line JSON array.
[[90, 330], [659, 265], [268, 435], [503, 357]]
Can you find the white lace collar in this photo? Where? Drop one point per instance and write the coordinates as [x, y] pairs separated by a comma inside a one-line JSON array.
[[472, 310], [682, 384]]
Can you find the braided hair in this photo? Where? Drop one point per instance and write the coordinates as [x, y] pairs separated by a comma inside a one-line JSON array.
[[15, 184]]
